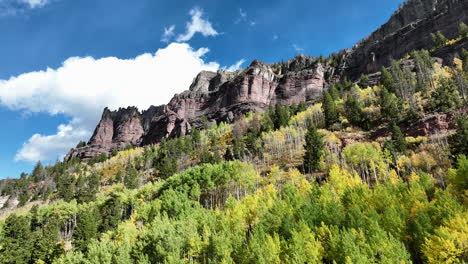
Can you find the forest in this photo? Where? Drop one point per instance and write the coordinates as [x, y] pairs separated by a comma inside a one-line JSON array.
[[343, 179]]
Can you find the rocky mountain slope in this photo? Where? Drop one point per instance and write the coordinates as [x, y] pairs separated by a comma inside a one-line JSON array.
[[225, 96]]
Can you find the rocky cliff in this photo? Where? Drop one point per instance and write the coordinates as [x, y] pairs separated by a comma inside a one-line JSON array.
[[408, 29], [212, 97], [225, 96]]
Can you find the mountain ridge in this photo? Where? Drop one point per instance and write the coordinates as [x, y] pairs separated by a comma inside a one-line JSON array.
[[226, 96]]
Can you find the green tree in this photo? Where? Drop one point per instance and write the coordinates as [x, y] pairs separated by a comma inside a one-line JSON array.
[[445, 97], [86, 229], [387, 80], [131, 177], [354, 111], [364, 81], [329, 110], [389, 105], [313, 150], [464, 56], [459, 140], [398, 138], [16, 243], [38, 173], [463, 30], [438, 39]]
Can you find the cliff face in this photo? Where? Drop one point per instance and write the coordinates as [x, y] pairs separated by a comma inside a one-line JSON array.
[[213, 97], [408, 29], [225, 96]]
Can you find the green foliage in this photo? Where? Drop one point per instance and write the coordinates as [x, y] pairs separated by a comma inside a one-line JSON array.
[[445, 97], [387, 80], [459, 141], [16, 243], [398, 139], [329, 110], [364, 81], [354, 111], [390, 105], [86, 229], [131, 177], [438, 39], [313, 149], [463, 30]]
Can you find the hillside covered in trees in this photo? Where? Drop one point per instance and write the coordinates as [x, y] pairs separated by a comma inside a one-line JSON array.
[[372, 171]]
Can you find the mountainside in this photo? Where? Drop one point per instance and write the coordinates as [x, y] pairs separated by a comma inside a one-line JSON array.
[[302, 161], [226, 96], [408, 29]]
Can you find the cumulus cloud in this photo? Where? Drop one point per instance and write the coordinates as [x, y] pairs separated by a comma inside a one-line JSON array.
[[168, 34], [82, 87], [35, 3], [197, 25], [15, 7], [242, 16], [297, 48], [236, 66]]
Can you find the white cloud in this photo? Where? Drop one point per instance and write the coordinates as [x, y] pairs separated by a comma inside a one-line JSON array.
[[197, 25], [168, 34], [242, 16], [35, 3], [236, 66], [297, 48], [82, 87], [16, 7]]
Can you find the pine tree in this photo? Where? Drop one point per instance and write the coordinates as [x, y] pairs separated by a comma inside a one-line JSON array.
[[438, 39], [398, 139], [313, 150], [131, 177], [334, 93], [459, 140], [354, 111], [463, 30], [329, 110], [387, 80], [86, 229], [38, 173], [364, 81], [389, 105], [446, 96], [464, 56], [16, 243]]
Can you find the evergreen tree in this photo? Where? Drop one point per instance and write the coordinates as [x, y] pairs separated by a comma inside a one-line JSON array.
[[354, 111], [364, 81], [86, 229], [464, 56], [445, 97], [438, 39], [329, 110], [16, 243], [463, 30], [398, 139], [313, 150], [131, 177], [389, 106], [334, 93], [459, 140], [387, 80], [38, 173]]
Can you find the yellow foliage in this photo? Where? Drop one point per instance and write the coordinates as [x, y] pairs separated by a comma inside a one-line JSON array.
[[393, 177], [312, 116], [458, 64], [340, 179], [449, 244]]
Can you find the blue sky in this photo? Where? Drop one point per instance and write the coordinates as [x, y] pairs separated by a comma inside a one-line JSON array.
[[62, 61]]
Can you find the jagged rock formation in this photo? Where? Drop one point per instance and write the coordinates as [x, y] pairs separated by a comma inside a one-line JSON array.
[[408, 29], [225, 96], [212, 97]]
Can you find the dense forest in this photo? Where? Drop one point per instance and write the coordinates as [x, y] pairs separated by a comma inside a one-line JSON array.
[[337, 180]]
